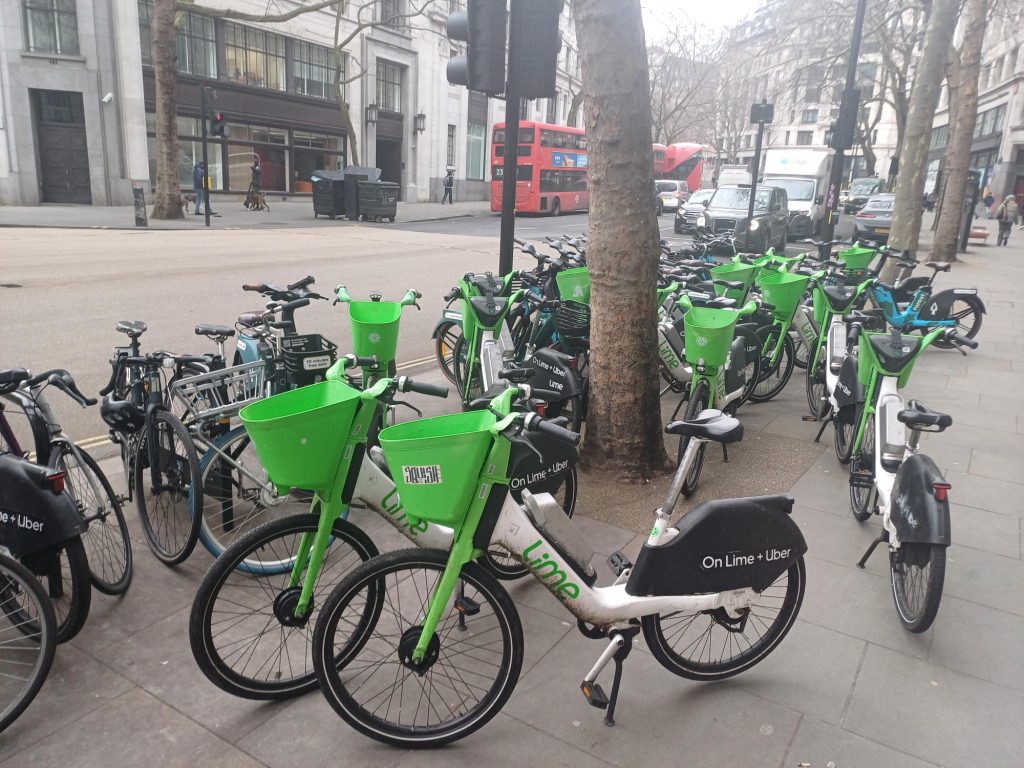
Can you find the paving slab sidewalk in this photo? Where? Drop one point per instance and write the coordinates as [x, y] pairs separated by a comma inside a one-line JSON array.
[[847, 688]]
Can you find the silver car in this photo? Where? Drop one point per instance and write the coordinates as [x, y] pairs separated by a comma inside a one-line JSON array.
[[874, 220], [672, 193]]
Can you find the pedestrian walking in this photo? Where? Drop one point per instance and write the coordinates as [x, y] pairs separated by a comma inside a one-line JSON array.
[[252, 198], [449, 185], [198, 172], [1007, 215], [989, 199]]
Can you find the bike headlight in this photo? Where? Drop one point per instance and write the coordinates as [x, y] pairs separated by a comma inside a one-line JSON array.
[[754, 225], [702, 221]]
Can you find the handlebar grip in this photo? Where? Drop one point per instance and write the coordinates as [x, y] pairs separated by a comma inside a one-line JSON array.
[[292, 305], [254, 287], [961, 341], [353, 361], [453, 294], [115, 369], [558, 433], [307, 280], [432, 390]]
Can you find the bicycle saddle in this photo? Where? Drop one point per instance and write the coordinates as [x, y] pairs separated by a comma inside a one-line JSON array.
[[917, 416], [250, 318], [134, 328], [709, 424], [215, 331], [11, 378], [939, 266]]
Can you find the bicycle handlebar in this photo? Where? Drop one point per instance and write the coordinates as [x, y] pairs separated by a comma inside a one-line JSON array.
[[535, 423], [960, 341], [405, 384], [306, 281]]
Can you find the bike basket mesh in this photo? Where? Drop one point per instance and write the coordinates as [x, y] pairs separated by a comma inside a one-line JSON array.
[[572, 319], [574, 284], [857, 257], [784, 290], [708, 333], [375, 328], [300, 435], [736, 272], [307, 357], [435, 463]]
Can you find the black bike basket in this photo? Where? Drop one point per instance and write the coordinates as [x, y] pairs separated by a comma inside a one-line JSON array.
[[572, 319], [307, 357]]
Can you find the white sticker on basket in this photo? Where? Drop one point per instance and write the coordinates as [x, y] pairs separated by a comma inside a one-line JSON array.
[[316, 363], [429, 475]]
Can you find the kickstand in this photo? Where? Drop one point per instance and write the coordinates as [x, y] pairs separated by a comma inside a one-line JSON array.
[[725, 453], [825, 423], [882, 538], [618, 658]]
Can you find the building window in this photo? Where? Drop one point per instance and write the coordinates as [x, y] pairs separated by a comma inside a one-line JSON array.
[[391, 14], [313, 73], [809, 116], [804, 138], [51, 26], [552, 116], [874, 136], [197, 46], [940, 136], [389, 85], [456, 5], [787, 138], [451, 146], [145, 30], [812, 93], [254, 57], [476, 156]]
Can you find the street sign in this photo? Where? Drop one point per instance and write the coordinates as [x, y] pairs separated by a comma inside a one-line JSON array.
[[762, 114]]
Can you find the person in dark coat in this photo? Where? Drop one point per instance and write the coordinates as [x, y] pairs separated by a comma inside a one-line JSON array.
[[198, 172], [449, 185]]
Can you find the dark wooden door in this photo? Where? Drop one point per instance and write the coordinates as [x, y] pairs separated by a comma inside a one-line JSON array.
[[389, 160], [62, 149]]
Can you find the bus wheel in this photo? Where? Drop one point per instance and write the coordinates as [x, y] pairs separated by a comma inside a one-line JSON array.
[[556, 208]]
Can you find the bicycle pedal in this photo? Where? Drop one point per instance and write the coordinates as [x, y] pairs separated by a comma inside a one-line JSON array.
[[862, 480], [808, 418], [594, 694], [467, 606], [618, 562]]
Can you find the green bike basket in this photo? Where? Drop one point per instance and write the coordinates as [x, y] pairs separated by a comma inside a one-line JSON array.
[[436, 462], [857, 257], [736, 272], [784, 290], [375, 328], [574, 284], [300, 435], [708, 333]]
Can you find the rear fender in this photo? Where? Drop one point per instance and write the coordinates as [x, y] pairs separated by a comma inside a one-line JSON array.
[[554, 372], [918, 514], [447, 316], [939, 305], [32, 516], [849, 391]]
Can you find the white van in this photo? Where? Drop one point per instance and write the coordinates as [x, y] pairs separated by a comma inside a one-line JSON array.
[[803, 173], [729, 175]]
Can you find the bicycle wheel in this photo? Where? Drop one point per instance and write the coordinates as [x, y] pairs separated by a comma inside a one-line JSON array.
[[237, 495], [166, 476], [107, 542], [917, 572], [864, 500], [472, 663], [800, 353], [28, 639], [711, 645], [448, 334], [571, 408], [817, 391], [700, 399], [774, 375], [497, 559], [242, 628], [63, 570], [459, 364], [844, 427], [966, 310]]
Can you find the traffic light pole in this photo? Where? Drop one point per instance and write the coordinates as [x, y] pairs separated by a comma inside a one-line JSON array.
[[510, 162], [754, 171], [204, 191], [848, 112]]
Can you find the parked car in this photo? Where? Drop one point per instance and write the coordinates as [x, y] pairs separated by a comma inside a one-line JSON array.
[[672, 193], [726, 211], [860, 191], [874, 220], [687, 213]]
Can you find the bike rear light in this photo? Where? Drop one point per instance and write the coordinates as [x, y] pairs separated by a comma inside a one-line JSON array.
[[56, 481], [940, 490], [540, 407]]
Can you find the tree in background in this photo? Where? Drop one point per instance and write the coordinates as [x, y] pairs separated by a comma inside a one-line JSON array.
[[624, 429], [684, 72], [167, 199]]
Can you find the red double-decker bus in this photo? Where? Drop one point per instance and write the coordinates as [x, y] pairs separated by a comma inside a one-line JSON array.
[[660, 156], [683, 162], [552, 168]]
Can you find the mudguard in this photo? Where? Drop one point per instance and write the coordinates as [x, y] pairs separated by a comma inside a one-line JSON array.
[[721, 545], [37, 423], [554, 372], [247, 349], [917, 515], [849, 390], [528, 470], [32, 516], [448, 315], [939, 305]]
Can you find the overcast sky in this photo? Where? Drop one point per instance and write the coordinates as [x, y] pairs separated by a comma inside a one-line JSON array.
[[712, 15]]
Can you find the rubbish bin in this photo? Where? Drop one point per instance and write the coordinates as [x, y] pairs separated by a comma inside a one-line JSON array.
[[378, 200], [353, 175], [328, 193]]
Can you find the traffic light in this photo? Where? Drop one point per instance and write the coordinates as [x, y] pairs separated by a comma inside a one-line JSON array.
[[218, 125], [538, 40], [482, 26]]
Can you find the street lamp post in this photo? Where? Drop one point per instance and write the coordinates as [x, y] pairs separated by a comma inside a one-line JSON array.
[[761, 114]]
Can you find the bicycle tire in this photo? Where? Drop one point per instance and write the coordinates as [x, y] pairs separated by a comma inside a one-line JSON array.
[[973, 310], [800, 353], [845, 432], [863, 500], [816, 390], [459, 370], [782, 368], [169, 536], [661, 645], [220, 523], [16, 581], [266, 589], [700, 399], [487, 593], [917, 619], [444, 346], [63, 570], [108, 546]]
